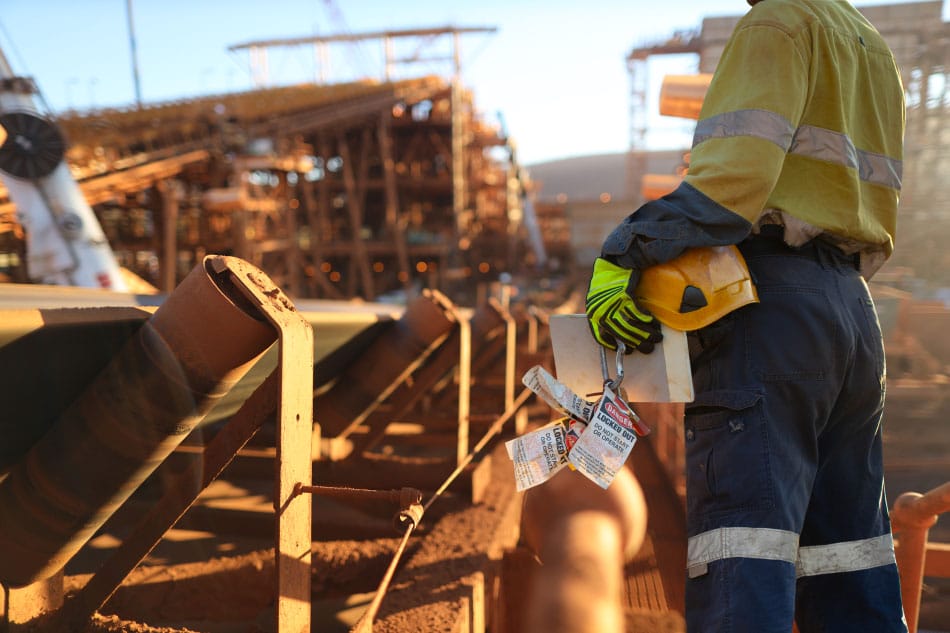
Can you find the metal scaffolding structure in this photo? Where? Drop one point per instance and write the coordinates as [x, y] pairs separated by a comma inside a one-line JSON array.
[[337, 191], [359, 188]]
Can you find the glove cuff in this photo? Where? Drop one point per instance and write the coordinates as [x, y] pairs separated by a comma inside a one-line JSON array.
[[632, 282], [619, 246]]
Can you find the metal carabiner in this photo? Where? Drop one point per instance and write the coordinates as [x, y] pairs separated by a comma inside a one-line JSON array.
[[612, 383]]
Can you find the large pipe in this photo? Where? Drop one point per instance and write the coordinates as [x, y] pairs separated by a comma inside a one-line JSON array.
[[196, 346], [583, 536]]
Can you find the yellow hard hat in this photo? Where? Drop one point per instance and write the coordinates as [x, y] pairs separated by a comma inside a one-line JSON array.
[[697, 288]]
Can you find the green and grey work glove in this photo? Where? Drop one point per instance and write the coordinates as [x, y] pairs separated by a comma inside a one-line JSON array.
[[612, 313]]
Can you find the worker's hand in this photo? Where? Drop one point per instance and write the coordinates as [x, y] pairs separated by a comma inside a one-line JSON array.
[[612, 313]]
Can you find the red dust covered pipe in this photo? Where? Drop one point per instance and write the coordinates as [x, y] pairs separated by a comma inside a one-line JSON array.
[[583, 536]]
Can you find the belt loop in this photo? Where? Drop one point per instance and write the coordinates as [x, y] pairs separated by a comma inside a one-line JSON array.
[[823, 254]]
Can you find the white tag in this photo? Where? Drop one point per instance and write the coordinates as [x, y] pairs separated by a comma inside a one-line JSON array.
[[538, 455], [558, 396], [604, 446]]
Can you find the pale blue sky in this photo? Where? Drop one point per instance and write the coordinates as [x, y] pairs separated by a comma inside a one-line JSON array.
[[555, 69]]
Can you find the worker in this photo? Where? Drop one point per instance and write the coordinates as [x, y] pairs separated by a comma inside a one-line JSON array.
[[796, 159]]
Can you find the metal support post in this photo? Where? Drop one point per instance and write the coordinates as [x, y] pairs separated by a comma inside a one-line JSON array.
[[511, 357], [171, 192], [294, 435], [465, 385]]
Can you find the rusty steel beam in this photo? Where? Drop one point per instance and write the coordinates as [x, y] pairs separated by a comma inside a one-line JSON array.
[[183, 360], [487, 339], [294, 437], [292, 399], [177, 499], [372, 35], [171, 193], [355, 188], [385, 365], [446, 376], [99, 189], [395, 220], [464, 391], [451, 354], [104, 187], [449, 365], [341, 112]]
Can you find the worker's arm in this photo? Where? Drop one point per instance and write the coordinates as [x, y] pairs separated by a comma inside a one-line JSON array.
[[749, 117], [662, 229], [747, 123], [658, 231]]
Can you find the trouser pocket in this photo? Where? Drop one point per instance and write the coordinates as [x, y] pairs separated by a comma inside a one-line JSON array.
[[727, 456]]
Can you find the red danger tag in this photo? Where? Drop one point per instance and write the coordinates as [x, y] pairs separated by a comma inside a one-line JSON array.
[[603, 447]]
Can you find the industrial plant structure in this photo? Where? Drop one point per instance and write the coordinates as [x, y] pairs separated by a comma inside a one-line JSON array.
[[294, 415]]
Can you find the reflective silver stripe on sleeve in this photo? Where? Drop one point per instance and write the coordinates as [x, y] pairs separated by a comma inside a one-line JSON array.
[[807, 140], [759, 123], [741, 542], [847, 556], [835, 147]]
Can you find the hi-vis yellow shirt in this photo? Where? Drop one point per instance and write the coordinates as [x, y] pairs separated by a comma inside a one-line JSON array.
[[805, 115]]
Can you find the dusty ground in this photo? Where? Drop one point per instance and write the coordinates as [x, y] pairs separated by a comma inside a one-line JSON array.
[[233, 594], [196, 581]]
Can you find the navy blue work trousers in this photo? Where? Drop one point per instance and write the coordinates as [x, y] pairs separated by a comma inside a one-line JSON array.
[[786, 511]]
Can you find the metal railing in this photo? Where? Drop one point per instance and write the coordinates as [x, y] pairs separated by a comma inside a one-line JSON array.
[[912, 517]]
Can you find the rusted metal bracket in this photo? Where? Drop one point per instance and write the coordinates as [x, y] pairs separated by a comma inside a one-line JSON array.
[[407, 499], [465, 390], [294, 436], [288, 390]]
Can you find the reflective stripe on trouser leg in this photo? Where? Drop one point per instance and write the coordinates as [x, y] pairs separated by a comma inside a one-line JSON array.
[[848, 556], [748, 565], [781, 545], [786, 511], [739, 542], [735, 574]]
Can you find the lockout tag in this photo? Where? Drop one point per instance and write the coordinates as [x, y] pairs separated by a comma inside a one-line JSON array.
[[538, 455], [605, 444], [558, 396]]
